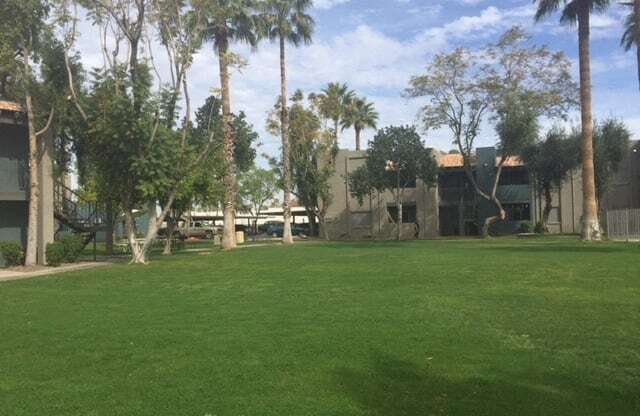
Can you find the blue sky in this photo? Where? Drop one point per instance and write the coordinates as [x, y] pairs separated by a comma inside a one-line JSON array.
[[377, 45]]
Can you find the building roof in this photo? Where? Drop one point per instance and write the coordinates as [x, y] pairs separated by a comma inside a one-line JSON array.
[[10, 106], [456, 161]]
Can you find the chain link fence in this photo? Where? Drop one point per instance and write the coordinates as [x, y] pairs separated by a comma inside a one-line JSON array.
[[623, 225]]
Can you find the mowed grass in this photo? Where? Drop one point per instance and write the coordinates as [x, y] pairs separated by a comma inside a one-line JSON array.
[[499, 327]]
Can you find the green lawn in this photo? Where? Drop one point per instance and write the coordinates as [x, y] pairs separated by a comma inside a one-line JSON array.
[[501, 327]]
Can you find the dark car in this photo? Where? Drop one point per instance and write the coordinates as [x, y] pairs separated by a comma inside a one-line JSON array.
[[276, 230]]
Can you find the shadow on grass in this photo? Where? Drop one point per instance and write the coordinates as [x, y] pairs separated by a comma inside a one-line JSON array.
[[577, 248], [396, 387]]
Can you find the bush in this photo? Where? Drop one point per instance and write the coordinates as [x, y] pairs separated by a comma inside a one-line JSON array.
[[12, 252], [73, 246], [56, 253], [540, 228], [525, 228]]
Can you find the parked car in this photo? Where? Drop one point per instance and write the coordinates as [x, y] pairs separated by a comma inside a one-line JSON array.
[[198, 230], [276, 230]]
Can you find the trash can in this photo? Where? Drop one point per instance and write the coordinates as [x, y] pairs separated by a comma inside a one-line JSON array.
[[239, 237]]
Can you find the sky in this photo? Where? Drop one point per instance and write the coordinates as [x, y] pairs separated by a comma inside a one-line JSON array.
[[376, 46]]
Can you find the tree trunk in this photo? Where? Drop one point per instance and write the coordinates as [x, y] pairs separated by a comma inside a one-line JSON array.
[[590, 224], [287, 237], [323, 226], [636, 15], [548, 201], [137, 255], [108, 240], [31, 257], [336, 125], [168, 243], [461, 230], [229, 179], [357, 138]]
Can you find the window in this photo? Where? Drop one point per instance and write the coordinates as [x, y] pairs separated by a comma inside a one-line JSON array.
[[518, 212], [452, 179], [409, 213], [514, 176], [410, 183], [361, 219], [554, 215]]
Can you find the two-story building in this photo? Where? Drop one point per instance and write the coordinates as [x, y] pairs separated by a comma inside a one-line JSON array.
[[452, 207], [14, 181]]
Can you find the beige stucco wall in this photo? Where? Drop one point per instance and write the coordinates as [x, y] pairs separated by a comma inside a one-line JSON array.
[[348, 219]]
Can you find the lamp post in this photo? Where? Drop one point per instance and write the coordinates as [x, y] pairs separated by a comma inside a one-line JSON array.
[[392, 166]]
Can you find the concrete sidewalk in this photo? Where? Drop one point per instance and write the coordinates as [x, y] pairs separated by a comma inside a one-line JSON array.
[[13, 274]]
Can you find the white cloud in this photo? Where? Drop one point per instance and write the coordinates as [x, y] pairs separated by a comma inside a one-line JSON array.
[[328, 4]]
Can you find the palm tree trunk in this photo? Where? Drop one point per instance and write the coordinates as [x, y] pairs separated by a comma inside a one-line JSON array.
[[590, 224], [357, 138], [287, 237], [229, 179], [636, 15], [31, 257], [638, 60]]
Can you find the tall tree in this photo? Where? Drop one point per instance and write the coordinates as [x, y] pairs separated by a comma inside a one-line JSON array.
[[611, 139], [580, 11], [360, 115], [511, 81], [25, 34], [550, 161], [332, 104], [258, 187], [141, 152], [287, 21], [631, 36], [313, 152], [229, 21], [397, 157]]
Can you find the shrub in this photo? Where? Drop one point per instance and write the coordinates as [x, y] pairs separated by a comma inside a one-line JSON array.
[[56, 254], [525, 228], [12, 252], [73, 246], [540, 228]]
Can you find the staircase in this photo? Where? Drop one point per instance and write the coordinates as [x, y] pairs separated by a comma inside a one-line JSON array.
[[83, 217]]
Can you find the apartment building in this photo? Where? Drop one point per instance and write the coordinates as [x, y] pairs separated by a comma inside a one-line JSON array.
[[451, 208], [14, 181]]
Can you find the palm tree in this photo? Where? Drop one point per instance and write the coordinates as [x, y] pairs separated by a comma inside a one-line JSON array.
[[360, 115], [580, 11], [333, 102], [286, 21], [228, 21], [631, 36]]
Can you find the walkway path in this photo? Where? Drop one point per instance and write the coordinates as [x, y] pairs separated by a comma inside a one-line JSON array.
[[13, 274]]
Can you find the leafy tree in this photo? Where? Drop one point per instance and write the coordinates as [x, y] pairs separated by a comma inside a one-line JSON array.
[[141, 154], [332, 104], [258, 187], [360, 115], [580, 11], [313, 151], [229, 21], [25, 37], [287, 21], [611, 140], [395, 158], [202, 187], [511, 81], [550, 161], [631, 36]]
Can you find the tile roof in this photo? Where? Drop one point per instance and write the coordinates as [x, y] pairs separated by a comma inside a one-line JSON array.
[[10, 106], [456, 161]]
